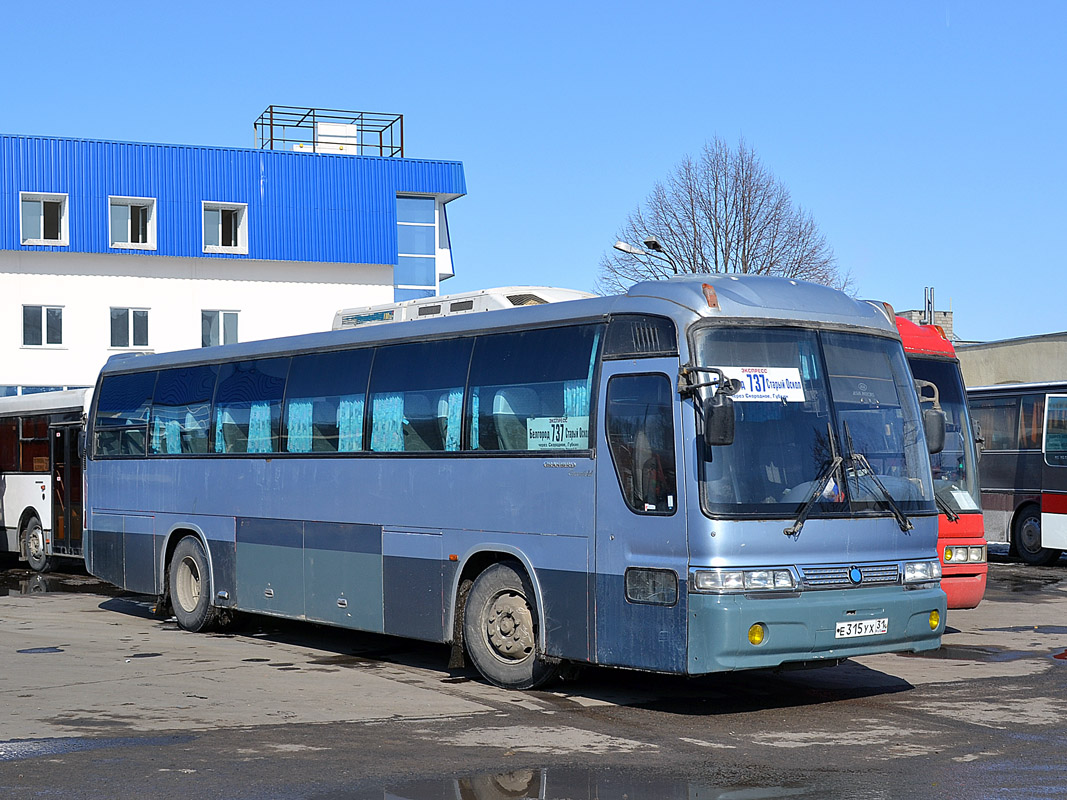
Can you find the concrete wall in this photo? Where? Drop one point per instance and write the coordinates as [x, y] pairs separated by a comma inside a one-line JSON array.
[[273, 298], [1033, 359]]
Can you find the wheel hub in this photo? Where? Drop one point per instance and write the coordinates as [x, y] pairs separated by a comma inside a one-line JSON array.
[[1030, 534], [35, 543], [188, 588], [509, 628]]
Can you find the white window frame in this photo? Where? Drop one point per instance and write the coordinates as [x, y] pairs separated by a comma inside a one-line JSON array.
[[242, 228], [41, 197], [222, 324], [140, 348], [150, 202], [45, 344]]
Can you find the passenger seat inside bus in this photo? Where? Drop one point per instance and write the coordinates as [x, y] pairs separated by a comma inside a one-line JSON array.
[[512, 407]]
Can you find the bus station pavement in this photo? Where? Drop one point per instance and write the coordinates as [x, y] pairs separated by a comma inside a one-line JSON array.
[[100, 698]]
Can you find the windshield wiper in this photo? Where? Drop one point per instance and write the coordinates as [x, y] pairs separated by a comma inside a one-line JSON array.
[[820, 486], [857, 461], [945, 508]]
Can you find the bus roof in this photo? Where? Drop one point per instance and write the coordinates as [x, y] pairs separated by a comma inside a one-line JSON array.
[[927, 339], [46, 402], [686, 299]]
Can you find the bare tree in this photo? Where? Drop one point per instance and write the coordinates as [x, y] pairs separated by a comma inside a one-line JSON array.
[[723, 212]]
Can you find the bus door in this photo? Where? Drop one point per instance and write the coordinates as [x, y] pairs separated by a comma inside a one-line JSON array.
[[641, 547], [66, 489], [1054, 474]]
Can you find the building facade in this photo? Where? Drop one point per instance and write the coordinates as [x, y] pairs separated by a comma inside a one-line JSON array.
[[110, 247]]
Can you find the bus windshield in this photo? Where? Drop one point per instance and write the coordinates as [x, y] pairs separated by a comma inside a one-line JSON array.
[[954, 468], [807, 397]]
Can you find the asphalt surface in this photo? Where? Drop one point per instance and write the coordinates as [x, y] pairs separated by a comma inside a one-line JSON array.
[[101, 699]]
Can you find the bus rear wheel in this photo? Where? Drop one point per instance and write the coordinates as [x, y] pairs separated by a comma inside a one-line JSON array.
[[1026, 536], [36, 553], [500, 630], [190, 586]]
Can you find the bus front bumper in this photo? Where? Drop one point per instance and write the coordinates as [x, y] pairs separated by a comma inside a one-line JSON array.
[[801, 627]]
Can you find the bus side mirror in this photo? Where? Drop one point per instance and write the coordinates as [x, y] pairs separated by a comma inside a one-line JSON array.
[[718, 420], [934, 423], [979, 439]]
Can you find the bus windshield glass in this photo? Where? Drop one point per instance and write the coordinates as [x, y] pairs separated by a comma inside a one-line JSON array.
[[805, 398], [954, 468]]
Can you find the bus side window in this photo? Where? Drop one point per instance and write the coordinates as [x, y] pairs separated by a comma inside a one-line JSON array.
[[530, 390], [181, 410], [122, 414], [416, 395], [640, 429], [9, 444], [325, 400], [999, 420], [1031, 421], [248, 406]]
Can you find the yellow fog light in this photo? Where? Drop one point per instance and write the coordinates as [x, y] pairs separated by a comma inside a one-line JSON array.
[[757, 633], [935, 620]]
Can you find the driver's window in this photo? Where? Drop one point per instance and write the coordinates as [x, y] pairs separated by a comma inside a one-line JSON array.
[[640, 429]]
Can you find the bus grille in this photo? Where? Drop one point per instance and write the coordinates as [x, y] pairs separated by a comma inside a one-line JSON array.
[[837, 576]]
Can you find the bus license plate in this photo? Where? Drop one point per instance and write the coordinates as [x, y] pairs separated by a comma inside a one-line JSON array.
[[864, 627]]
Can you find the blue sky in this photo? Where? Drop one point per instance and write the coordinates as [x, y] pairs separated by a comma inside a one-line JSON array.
[[926, 138]]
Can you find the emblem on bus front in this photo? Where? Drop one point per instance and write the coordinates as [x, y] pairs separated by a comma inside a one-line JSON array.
[[855, 574]]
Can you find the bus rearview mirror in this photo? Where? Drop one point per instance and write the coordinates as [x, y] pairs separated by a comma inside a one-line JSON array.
[[934, 423], [718, 420]]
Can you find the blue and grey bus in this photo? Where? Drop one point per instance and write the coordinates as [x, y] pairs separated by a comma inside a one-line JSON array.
[[703, 474]]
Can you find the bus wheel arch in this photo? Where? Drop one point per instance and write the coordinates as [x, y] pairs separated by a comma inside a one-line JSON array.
[[32, 541], [501, 628], [1026, 537], [189, 582]]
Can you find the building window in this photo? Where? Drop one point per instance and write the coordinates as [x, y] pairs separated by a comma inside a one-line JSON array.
[[218, 327], [225, 228], [42, 325], [44, 219], [129, 325], [415, 274], [133, 222]]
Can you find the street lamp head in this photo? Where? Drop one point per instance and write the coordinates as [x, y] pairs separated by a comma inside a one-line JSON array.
[[628, 248], [652, 243]]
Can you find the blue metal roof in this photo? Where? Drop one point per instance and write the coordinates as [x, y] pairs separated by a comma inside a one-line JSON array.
[[301, 206]]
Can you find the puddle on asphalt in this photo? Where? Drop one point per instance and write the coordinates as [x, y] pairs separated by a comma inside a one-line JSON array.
[[569, 784], [33, 651], [42, 748], [966, 652], [26, 582]]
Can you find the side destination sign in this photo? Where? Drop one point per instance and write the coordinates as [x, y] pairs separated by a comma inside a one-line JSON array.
[[557, 433], [767, 384]]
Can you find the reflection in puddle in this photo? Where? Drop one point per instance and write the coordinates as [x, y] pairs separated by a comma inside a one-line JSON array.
[[24, 581], [572, 784]]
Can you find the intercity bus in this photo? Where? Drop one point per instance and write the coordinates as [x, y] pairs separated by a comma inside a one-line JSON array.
[[41, 475], [961, 535], [703, 474], [1024, 466]]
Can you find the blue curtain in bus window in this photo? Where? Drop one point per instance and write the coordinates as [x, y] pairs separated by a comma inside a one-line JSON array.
[[387, 423], [259, 440], [576, 399], [450, 417], [350, 423], [474, 419], [300, 412]]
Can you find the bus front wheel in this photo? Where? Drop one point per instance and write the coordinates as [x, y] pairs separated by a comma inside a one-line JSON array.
[[36, 553], [1026, 536], [500, 630], [190, 586]]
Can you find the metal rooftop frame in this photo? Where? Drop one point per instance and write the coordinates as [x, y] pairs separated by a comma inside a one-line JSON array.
[[330, 130]]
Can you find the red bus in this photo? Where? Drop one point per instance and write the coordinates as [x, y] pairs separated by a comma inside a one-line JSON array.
[[960, 533]]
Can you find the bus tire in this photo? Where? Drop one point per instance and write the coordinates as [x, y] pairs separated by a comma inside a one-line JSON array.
[[190, 586], [33, 540], [1026, 536], [500, 629]]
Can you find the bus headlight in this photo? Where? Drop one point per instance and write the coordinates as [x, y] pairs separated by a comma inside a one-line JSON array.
[[975, 554], [922, 571], [769, 579]]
